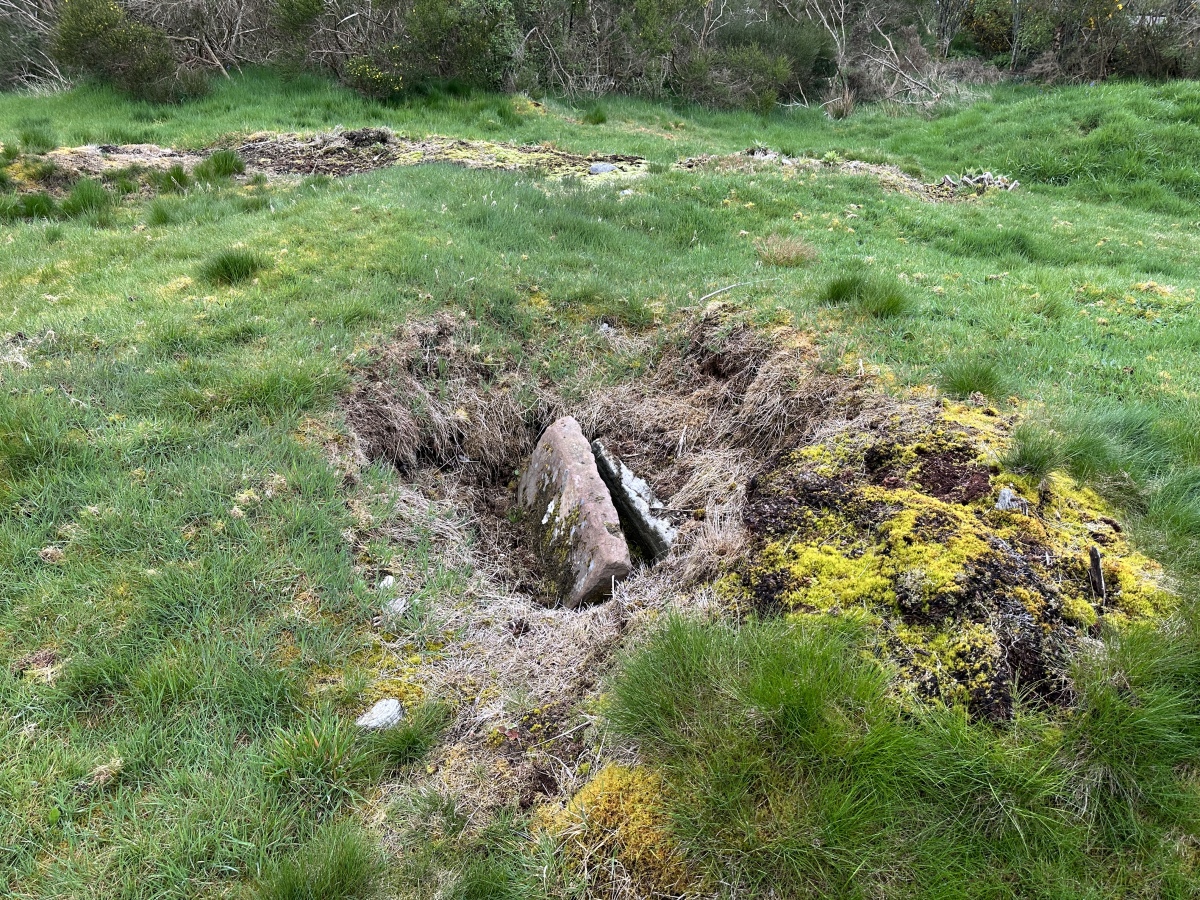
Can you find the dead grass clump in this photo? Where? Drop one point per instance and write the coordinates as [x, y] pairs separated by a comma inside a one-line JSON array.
[[432, 397], [786, 251]]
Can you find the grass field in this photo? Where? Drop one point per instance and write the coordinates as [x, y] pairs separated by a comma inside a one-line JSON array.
[[186, 629]]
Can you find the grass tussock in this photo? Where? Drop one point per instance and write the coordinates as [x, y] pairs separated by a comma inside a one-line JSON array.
[[340, 862], [220, 165], [172, 180], [596, 115], [231, 267], [870, 295], [963, 376], [786, 251], [87, 198], [1036, 451]]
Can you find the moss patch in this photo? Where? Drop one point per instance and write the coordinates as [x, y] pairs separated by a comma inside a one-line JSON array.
[[893, 517], [621, 815]]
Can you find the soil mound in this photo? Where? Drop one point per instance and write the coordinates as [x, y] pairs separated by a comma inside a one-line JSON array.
[[367, 149], [758, 159], [978, 581]]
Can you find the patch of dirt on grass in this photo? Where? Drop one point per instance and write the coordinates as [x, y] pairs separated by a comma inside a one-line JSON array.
[[718, 398], [892, 178], [97, 161], [338, 153], [367, 149]]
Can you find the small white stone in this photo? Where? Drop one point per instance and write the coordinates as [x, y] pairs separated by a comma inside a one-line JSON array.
[[384, 714], [389, 582], [394, 610]]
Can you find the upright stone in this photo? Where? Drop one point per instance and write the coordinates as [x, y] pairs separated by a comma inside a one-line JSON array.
[[578, 533], [635, 501]]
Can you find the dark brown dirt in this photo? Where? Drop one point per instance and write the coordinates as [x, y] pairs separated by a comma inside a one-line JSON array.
[[954, 476]]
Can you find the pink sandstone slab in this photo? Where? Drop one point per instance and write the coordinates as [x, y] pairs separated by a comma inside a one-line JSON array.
[[573, 518]]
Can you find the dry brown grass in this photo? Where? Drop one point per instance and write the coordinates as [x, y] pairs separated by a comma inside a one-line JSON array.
[[786, 251]]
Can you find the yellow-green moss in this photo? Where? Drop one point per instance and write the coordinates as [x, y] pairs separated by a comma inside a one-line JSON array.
[[852, 524], [825, 577], [621, 813]]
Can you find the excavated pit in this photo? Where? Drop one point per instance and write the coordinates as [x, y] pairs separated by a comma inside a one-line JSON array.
[[797, 491]]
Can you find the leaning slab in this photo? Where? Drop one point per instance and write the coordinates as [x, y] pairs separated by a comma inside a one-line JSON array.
[[574, 521], [636, 503]]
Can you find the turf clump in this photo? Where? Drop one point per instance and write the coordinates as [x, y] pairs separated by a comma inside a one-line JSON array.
[[220, 165], [870, 295], [230, 267]]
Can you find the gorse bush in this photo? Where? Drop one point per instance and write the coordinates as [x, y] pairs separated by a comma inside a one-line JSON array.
[[468, 40], [98, 37]]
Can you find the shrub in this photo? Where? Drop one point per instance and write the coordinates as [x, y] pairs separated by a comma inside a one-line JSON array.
[[338, 863], [963, 376], [232, 267], [468, 40], [297, 18], [221, 164], [98, 38], [874, 296], [374, 79]]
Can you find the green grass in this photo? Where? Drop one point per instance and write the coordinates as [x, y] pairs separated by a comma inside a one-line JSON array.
[[962, 376], [874, 296], [338, 863], [799, 721], [232, 267], [221, 164], [220, 657], [1036, 451], [170, 181]]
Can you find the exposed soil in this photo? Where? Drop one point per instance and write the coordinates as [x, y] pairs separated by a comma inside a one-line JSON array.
[[758, 159], [367, 149]]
